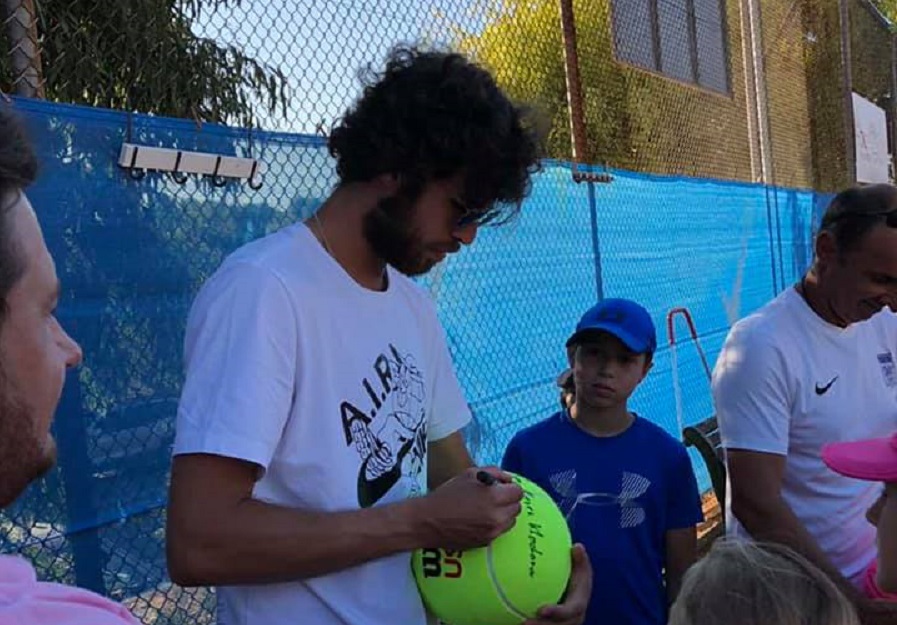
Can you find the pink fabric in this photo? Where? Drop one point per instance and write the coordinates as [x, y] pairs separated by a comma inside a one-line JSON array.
[[872, 459], [870, 586], [25, 601]]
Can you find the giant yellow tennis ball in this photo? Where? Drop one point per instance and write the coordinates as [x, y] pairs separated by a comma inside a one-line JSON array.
[[507, 581]]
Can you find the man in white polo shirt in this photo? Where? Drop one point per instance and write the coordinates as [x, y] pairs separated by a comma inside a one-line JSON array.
[[816, 365]]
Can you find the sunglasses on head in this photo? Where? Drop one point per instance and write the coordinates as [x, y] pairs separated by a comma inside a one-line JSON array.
[[889, 216]]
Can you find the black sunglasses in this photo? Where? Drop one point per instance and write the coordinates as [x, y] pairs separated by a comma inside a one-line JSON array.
[[470, 216]]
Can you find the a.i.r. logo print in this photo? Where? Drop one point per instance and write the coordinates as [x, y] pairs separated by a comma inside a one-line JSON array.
[[388, 430]]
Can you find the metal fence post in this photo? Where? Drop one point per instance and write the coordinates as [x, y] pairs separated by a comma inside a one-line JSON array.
[[20, 21], [847, 77], [578, 137]]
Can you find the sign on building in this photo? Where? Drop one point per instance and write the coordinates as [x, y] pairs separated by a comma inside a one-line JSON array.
[[871, 135]]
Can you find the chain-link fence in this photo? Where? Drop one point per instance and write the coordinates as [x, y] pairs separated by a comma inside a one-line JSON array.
[[751, 90], [693, 143]]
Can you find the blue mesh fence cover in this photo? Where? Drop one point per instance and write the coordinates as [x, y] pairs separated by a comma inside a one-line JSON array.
[[131, 255]]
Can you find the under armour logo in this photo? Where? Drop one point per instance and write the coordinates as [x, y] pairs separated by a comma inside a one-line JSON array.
[[633, 486], [822, 390], [611, 315]]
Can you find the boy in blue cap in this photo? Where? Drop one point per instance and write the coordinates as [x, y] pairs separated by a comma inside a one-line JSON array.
[[625, 485]]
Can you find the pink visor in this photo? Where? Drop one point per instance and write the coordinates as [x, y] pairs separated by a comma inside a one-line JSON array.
[[872, 459]]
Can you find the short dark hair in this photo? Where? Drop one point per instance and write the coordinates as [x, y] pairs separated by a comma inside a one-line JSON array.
[[431, 115], [18, 169], [854, 211]]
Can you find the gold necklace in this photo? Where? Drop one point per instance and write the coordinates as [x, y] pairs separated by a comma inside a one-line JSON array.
[[323, 235], [326, 243]]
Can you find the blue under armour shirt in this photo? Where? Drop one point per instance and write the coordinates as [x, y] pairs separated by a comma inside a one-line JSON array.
[[620, 495]]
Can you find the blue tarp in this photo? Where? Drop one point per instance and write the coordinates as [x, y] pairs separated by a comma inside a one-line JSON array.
[[131, 255]]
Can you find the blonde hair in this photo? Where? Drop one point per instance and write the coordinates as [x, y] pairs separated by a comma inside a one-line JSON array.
[[744, 583]]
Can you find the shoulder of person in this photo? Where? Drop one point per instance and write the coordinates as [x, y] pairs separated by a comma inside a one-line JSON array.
[[764, 323], [887, 319], [290, 239], [266, 252], [237, 276], [68, 604], [286, 256], [763, 338], [536, 431], [661, 439]]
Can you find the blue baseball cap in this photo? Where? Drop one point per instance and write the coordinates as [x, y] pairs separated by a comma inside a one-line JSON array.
[[625, 319]]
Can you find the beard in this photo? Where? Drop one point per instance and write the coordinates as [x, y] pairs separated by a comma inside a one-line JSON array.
[[388, 230], [23, 456]]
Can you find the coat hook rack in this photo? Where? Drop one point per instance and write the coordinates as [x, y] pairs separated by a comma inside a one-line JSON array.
[[179, 164]]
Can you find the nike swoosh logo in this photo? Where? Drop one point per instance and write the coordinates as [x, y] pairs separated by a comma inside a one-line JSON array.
[[371, 491], [822, 390]]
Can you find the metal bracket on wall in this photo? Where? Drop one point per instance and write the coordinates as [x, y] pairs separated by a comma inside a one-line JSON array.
[[600, 177], [139, 159]]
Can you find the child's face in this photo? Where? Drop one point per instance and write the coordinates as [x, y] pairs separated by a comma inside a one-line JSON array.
[[606, 372], [887, 500]]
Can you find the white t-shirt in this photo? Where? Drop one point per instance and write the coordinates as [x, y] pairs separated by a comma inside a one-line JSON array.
[[335, 391], [787, 382]]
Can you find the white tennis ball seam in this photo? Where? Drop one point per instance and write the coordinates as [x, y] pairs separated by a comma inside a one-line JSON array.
[[493, 576]]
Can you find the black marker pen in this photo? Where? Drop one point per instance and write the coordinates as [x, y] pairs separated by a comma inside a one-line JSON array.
[[486, 478]]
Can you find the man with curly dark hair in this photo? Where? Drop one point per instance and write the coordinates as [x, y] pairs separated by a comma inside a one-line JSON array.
[[319, 429]]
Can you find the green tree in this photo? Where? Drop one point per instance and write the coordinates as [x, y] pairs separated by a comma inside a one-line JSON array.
[[888, 8], [144, 56], [522, 44], [634, 119]]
